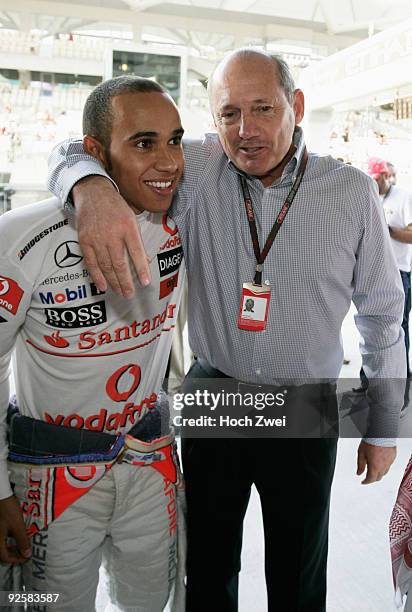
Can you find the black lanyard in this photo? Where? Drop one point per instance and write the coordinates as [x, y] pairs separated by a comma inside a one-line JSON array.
[[261, 255]]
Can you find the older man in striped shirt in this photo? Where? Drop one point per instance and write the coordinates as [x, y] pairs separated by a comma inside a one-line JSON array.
[[302, 236]]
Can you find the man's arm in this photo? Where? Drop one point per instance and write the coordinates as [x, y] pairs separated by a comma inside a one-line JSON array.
[[402, 234], [378, 296], [108, 231], [15, 293]]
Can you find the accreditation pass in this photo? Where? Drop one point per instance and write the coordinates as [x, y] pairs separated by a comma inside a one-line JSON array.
[[254, 307]]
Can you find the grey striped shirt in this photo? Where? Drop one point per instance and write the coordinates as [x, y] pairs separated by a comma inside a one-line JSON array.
[[332, 248]]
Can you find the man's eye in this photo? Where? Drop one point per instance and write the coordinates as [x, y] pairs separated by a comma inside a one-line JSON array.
[[144, 144], [177, 140], [265, 108], [228, 115]]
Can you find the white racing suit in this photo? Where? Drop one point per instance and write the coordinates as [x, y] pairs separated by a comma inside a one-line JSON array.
[[93, 361]]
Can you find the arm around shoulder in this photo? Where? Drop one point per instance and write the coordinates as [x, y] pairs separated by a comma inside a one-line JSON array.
[[107, 227]]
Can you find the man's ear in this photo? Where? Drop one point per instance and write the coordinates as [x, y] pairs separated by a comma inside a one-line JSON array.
[[95, 148], [298, 106]]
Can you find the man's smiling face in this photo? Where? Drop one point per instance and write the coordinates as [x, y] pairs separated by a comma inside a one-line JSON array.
[[145, 157]]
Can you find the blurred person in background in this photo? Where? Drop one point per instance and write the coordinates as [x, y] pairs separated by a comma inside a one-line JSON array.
[[392, 172], [397, 207]]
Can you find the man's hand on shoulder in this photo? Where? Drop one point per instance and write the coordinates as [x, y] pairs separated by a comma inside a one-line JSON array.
[[377, 461], [12, 526], [108, 232]]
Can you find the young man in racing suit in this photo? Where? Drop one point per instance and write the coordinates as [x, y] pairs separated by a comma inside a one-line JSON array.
[[88, 367]]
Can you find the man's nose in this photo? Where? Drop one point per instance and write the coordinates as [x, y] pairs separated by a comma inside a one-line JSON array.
[[166, 160], [248, 127]]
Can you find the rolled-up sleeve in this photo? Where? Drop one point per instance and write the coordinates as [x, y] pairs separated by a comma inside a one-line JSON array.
[[68, 164]]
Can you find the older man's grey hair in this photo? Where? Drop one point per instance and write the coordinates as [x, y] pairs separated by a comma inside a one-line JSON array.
[[285, 77], [98, 112]]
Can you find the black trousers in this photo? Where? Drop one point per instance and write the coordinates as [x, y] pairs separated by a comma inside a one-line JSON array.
[[293, 478]]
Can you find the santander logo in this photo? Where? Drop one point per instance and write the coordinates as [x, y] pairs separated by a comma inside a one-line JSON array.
[[56, 340]]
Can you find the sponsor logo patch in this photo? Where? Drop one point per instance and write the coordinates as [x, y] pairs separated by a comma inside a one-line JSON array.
[[168, 284], [68, 254], [40, 236], [77, 316], [65, 278], [69, 294], [171, 243], [56, 340], [10, 294], [170, 261]]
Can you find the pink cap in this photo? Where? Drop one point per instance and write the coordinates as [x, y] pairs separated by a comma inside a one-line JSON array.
[[376, 167]]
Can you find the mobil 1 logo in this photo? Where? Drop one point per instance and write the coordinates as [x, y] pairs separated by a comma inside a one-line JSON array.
[[77, 316], [170, 261]]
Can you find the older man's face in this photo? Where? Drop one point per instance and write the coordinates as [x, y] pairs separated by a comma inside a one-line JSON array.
[[253, 117]]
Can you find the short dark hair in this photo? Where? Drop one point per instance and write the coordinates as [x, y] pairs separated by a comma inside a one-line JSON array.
[[98, 112], [286, 79]]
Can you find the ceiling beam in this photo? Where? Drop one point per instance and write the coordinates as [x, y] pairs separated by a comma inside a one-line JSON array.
[[240, 29], [8, 20], [325, 7], [142, 5]]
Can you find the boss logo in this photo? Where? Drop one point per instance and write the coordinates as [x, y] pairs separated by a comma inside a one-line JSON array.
[[80, 316]]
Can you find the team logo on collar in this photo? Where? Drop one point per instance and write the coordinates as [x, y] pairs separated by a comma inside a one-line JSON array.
[[68, 254], [169, 225]]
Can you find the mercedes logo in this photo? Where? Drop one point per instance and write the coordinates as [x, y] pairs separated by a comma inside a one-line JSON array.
[[4, 286], [68, 254]]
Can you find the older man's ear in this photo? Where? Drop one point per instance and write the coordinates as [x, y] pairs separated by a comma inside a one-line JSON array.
[[298, 106]]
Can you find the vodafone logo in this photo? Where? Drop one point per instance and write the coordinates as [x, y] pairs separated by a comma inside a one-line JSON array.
[[4, 285], [10, 294]]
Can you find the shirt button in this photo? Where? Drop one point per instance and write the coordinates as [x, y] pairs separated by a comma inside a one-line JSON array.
[[258, 371]]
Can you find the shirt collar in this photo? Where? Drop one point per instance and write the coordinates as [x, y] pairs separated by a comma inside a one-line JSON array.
[[291, 167]]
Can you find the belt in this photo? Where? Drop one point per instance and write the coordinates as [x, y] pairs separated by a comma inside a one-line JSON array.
[[34, 442], [210, 370], [241, 386]]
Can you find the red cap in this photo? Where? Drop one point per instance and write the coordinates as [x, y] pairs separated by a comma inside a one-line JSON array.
[[376, 167]]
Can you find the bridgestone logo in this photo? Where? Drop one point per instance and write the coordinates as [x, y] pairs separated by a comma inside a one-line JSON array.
[[41, 235]]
